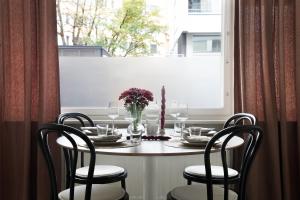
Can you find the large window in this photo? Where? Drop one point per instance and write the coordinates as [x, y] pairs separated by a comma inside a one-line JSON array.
[[108, 47]]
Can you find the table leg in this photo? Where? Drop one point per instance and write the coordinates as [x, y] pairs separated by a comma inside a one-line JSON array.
[[149, 189]]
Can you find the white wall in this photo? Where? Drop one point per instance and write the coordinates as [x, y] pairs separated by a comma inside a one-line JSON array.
[[202, 23]]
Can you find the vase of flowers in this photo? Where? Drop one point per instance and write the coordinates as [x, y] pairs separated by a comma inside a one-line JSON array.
[[135, 101]]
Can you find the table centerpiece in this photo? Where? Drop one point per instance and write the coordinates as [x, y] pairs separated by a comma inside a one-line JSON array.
[[135, 101]]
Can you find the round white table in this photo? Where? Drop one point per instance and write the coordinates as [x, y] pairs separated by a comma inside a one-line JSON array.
[[149, 149]]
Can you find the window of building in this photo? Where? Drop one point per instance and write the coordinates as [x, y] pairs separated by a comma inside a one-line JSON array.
[[216, 45], [104, 60], [199, 45], [199, 6], [153, 48], [206, 43], [194, 4]]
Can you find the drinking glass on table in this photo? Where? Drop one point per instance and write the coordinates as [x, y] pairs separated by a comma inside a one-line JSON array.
[[152, 119], [102, 129], [113, 112]]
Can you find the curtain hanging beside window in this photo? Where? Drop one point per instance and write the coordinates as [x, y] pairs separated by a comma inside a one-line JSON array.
[[29, 94], [267, 84]]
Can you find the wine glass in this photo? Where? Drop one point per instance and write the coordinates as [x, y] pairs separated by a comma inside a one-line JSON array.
[[173, 111], [113, 112], [182, 116]]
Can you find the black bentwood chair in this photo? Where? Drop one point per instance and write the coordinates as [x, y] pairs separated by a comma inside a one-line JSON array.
[[210, 191], [88, 191], [102, 173], [196, 173]]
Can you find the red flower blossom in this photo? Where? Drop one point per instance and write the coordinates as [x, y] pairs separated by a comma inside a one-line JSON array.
[[137, 96]]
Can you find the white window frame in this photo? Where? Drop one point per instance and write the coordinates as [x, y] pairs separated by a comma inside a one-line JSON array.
[[197, 115]]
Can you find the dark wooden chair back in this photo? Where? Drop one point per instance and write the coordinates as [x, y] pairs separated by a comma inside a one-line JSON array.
[[63, 130], [252, 141], [240, 119], [75, 115], [82, 119]]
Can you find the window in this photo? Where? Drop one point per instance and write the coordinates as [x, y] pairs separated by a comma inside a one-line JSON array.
[[191, 61], [199, 46], [153, 49], [199, 6], [194, 4], [216, 45], [206, 43]]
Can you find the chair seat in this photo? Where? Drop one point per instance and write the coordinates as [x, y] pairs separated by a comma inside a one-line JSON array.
[[198, 192], [216, 171], [99, 192], [101, 171]]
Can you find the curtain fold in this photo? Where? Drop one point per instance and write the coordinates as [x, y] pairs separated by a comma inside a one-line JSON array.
[[267, 84], [29, 95]]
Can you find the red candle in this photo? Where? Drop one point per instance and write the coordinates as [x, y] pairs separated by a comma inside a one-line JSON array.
[[163, 108]]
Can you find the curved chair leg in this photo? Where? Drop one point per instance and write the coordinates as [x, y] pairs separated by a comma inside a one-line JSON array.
[[189, 182], [123, 184], [126, 197]]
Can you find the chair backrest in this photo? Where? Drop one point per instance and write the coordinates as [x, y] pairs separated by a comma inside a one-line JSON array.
[[240, 119], [63, 130], [74, 115], [251, 144], [83, 120]]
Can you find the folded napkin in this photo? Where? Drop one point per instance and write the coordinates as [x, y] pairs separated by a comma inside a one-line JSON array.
[[89, 130], [106, 138], [211, 133], [205, 130], [197, 139], [199, 128], [98, 130]]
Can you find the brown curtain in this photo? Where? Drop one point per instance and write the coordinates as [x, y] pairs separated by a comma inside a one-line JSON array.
[[267, 84], [29, 94]]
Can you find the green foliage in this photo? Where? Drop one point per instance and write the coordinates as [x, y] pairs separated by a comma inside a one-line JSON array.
[[128, 31], [131, 31]]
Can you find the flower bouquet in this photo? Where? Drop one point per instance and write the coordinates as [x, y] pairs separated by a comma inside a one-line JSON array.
[[135, 101]]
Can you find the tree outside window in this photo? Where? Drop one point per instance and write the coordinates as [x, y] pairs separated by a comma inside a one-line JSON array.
[[125, 31]]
